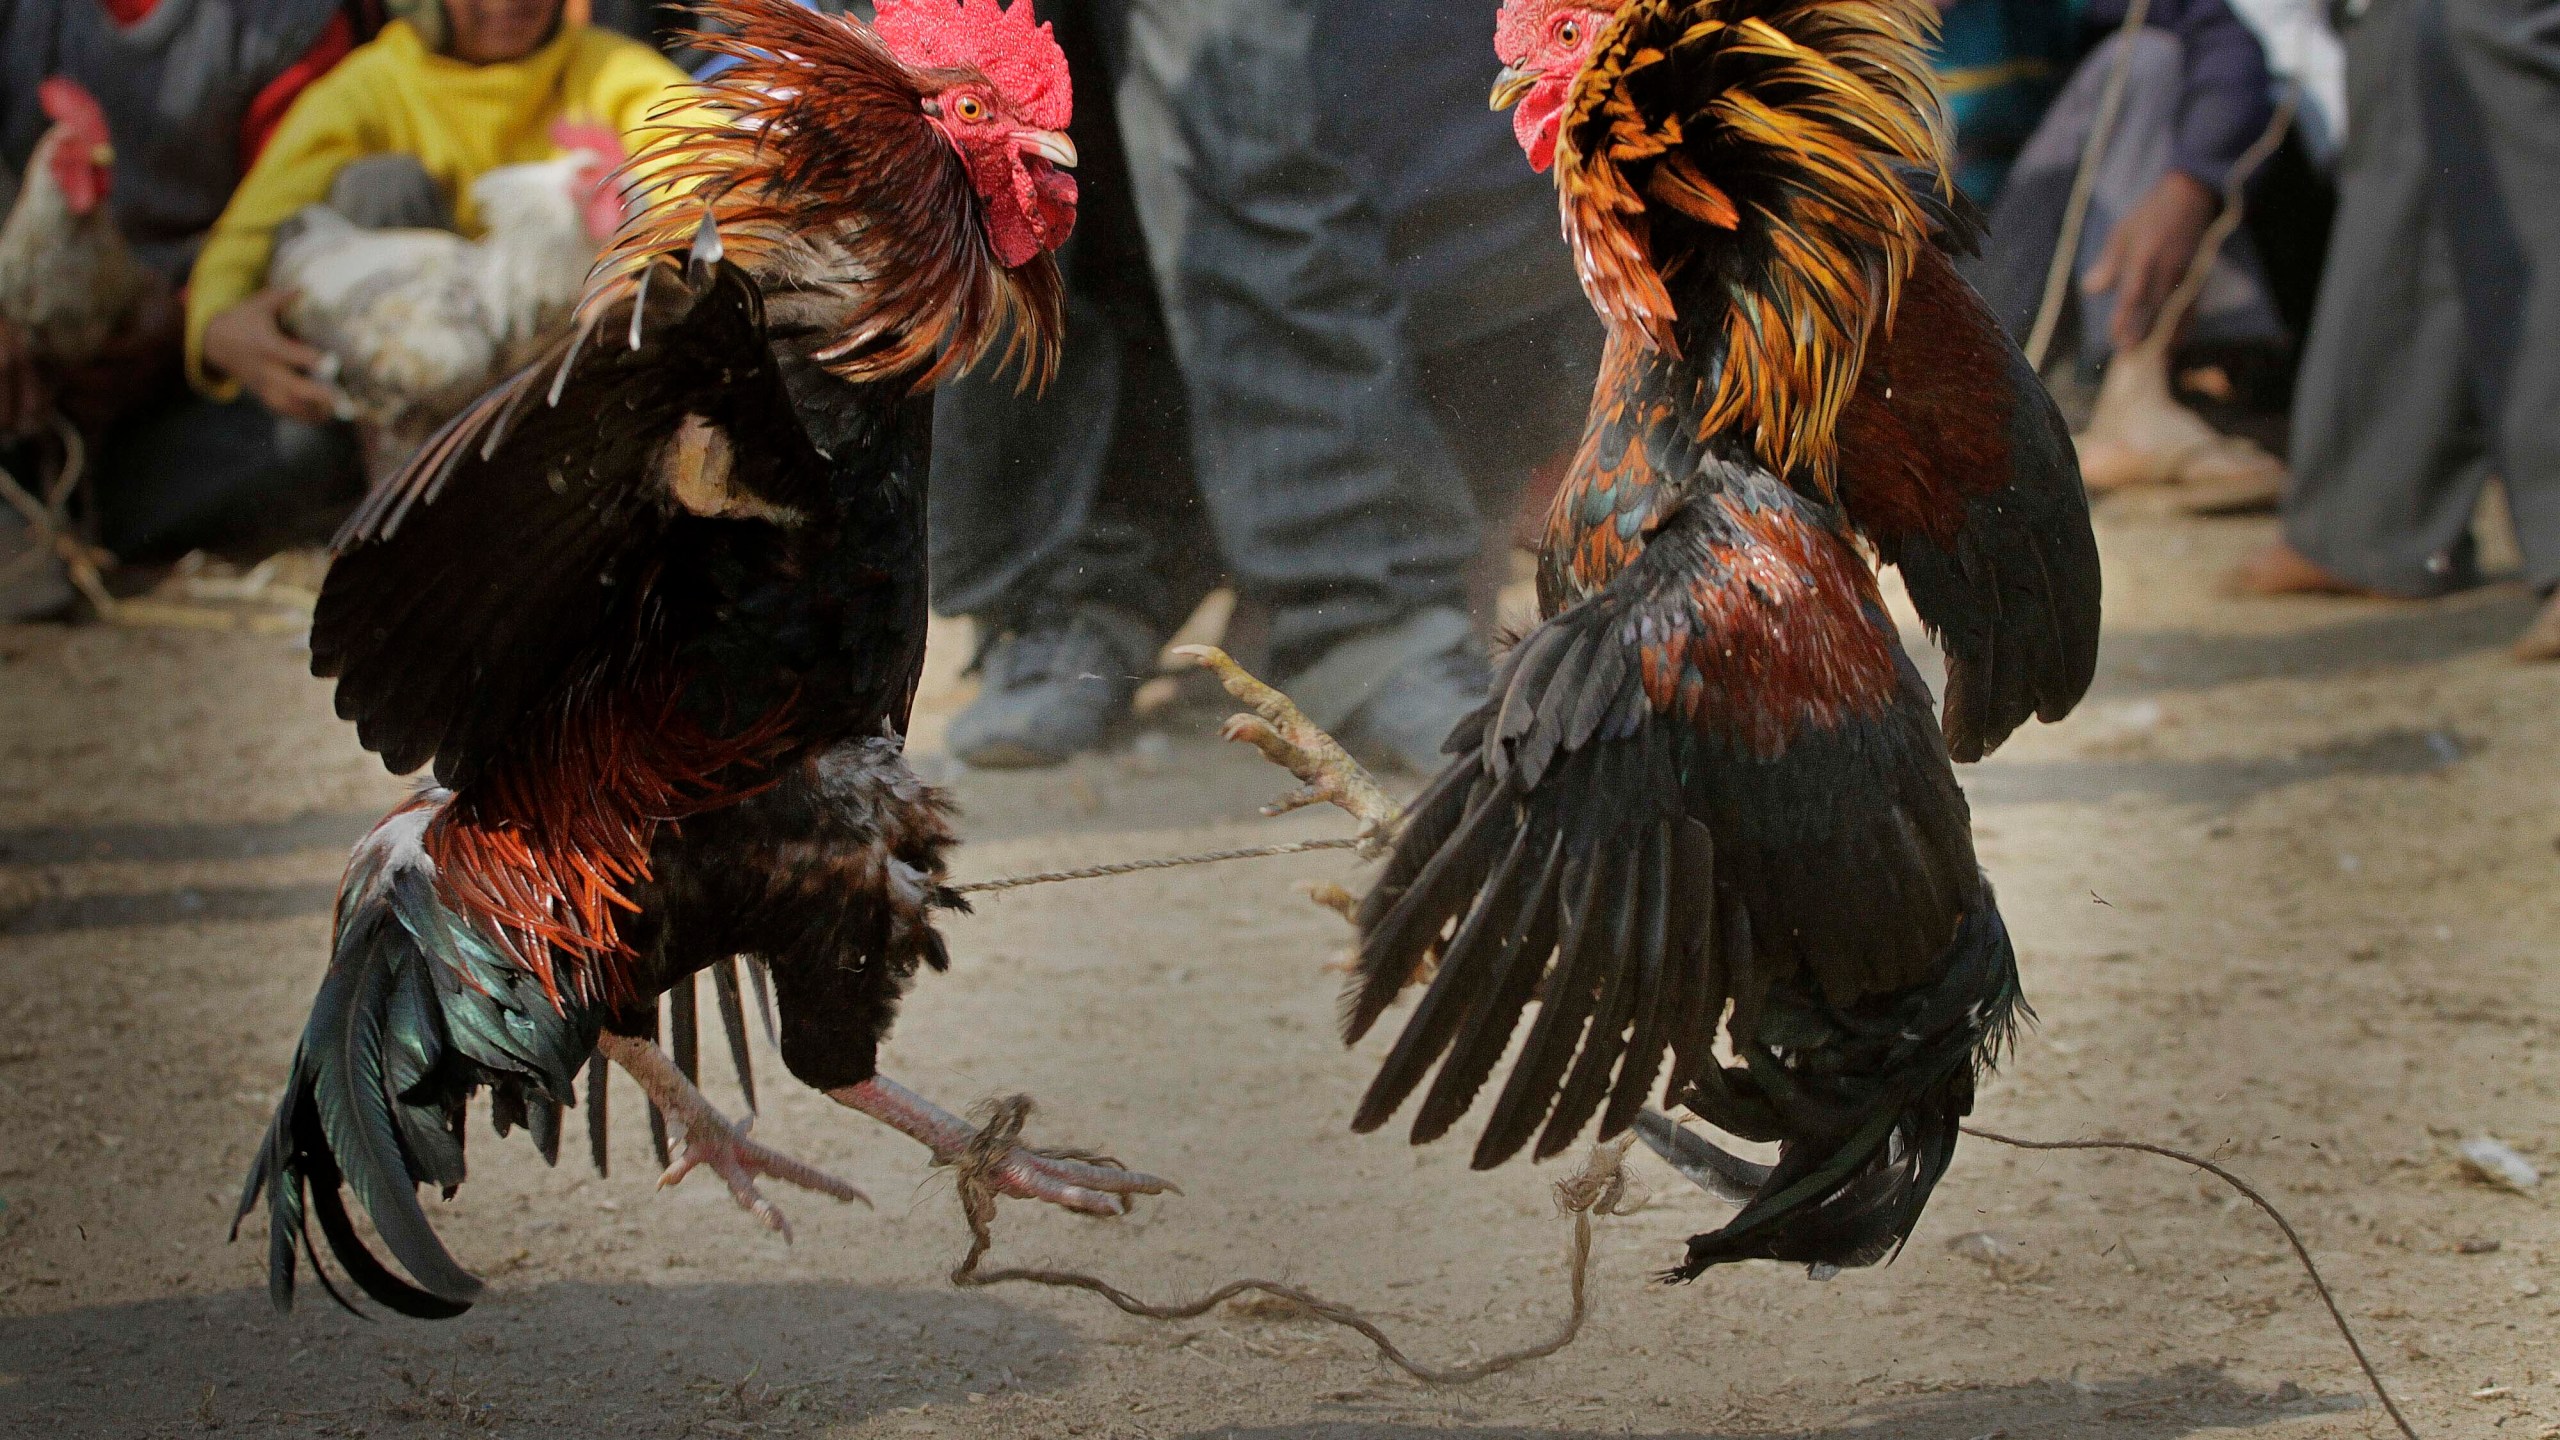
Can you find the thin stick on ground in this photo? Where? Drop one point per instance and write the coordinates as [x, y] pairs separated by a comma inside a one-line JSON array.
[[1599, 1188], [2301, 1252]]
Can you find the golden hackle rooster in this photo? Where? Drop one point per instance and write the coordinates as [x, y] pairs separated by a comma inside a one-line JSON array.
[[654, 611], [1709, 798], [68, 283]]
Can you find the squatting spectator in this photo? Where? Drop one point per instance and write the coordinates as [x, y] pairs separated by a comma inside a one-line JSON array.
[[394, 137], [2025, 78]]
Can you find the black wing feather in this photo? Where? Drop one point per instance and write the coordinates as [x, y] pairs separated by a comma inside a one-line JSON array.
[[466, 591]]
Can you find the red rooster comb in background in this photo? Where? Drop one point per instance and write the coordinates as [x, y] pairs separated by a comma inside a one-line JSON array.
[[69, 104], [1009, 46], [79, 160]]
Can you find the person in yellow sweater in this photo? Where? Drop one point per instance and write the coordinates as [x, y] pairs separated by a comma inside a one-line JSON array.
[[459, 88]]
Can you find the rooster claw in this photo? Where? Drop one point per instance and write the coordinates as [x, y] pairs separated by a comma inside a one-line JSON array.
[[709, 1140], [712, 1142], [1287, 738], [1088, 1187], [990, 1155]]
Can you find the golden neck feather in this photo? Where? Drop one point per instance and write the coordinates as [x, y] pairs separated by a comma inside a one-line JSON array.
[[1758, 157], [816, 162]]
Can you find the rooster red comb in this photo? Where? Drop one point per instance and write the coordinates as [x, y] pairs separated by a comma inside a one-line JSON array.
[[69, 104], [1016, 53]]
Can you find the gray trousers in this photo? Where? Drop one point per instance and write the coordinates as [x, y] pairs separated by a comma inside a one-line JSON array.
[[1238, 398], [2434, 357], [197, 472], [2026, 221]]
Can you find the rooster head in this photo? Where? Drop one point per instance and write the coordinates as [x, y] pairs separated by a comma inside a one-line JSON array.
[[79, 154], [1542, 44], [916, 167], [996, 86]]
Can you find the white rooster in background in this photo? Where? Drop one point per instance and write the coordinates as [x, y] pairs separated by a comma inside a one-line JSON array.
[[415, 324], [68, 284]]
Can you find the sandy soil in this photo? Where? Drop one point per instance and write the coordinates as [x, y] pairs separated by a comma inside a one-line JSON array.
[[2283, 888]]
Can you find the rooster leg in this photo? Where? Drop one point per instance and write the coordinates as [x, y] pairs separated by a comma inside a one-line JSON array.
[[1287, 738], [1092, 1187], [711, 1140]]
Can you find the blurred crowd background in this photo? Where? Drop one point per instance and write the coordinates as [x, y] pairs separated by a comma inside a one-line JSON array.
[[1325, 348]]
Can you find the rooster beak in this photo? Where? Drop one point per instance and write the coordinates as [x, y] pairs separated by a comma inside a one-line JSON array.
[[1512, 84], [1050, 145]]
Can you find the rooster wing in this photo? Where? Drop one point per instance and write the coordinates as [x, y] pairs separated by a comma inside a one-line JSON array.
[[1710, 785], [1955, 463], [524, 543]]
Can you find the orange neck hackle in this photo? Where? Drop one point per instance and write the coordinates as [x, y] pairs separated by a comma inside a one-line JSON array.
[[821, 170], [1753, 161]]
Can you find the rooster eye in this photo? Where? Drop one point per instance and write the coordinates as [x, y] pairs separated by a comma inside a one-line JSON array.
[[970, 109], [1569, 32]]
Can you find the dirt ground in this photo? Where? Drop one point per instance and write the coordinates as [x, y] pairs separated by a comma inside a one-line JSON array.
[[2284, 891]]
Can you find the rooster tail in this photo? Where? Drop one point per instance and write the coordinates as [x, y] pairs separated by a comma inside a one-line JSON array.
[[1860, 1160], [417, 1012], [374, 1034]]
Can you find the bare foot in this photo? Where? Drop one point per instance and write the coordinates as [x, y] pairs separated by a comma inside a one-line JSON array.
[[1090, 1187], [710, 1140], [2279, 569], [2541, 639]]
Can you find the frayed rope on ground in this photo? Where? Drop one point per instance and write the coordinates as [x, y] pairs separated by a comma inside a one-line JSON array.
[[1599, 1188]]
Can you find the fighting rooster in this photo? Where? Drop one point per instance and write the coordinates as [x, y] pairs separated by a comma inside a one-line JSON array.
[[654, 610], [1708, 791]]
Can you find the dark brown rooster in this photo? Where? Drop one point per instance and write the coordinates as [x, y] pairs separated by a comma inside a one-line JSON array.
[[1709, 794], [654, 610]]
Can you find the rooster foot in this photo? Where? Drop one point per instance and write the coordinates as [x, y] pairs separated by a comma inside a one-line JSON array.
[[1287, 738], [711, 1141], [1087, 1184]]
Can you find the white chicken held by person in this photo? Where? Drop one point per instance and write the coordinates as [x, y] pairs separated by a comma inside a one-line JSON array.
[[415, 324]]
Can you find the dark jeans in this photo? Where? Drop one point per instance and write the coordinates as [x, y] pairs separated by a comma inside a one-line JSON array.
[[1239, 398], [2434, 356]]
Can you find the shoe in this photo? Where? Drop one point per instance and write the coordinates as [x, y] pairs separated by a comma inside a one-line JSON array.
[[33, 585], [1055, 691], [1404, 720]]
